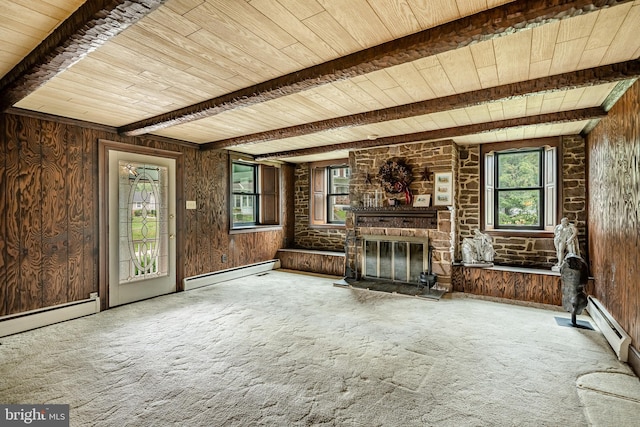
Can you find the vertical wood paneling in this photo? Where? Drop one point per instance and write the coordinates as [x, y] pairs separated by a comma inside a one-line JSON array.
[[219, 207], [189, 228], [538, 288], [49, 213], [3, 221], [30, 219], [313, 262], [614, 211], [208, 217], [75, 212], [88, 198], [55, 253], [11, 215]]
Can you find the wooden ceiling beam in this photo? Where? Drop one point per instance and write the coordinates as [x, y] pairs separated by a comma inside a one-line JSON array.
[[573, 80], [542, 119], [487, 25], [95, 22]]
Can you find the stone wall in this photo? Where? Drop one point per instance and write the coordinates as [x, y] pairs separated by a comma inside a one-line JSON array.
[[468, 193], [330, 238], [529, 251], [424, 159]]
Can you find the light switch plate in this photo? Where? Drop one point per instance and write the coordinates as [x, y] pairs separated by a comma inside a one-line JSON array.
[[191, 204]]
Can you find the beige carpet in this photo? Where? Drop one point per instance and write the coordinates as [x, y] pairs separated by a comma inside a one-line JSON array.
[[284, 349]]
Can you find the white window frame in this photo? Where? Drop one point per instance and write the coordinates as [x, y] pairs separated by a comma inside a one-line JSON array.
[[551, 176]]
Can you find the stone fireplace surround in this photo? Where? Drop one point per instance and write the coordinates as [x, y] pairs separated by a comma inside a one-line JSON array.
[[403, 224], [424, 158]]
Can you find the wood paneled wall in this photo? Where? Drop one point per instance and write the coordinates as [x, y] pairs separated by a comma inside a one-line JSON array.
[[49, 212], [614, 211], [542, 287]]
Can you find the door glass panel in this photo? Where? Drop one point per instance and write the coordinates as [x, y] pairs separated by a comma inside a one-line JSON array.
[[371, 258], [400, 261], [143, 217], [385, 260], [416, 261]]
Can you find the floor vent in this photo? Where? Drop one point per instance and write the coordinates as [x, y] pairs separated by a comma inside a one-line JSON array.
[[618, 339]]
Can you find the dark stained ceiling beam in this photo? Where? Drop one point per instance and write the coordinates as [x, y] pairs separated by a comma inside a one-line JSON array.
[[486, 25], [95, 22], [542, 119], [573, 80]]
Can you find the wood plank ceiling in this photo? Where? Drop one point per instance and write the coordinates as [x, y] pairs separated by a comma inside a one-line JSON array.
[[305, 80]]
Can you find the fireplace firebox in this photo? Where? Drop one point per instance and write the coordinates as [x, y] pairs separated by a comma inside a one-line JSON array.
[[398, 259]]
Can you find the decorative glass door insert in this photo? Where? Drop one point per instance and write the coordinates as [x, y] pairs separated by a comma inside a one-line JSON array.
[[143, 217]]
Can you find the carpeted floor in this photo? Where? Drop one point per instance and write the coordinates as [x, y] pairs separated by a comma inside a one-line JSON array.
[[283, 349]]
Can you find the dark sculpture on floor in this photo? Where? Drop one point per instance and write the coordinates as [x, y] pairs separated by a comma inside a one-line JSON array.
[[574, 274]]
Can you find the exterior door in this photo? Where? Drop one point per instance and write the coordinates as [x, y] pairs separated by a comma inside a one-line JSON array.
[[142, 222]]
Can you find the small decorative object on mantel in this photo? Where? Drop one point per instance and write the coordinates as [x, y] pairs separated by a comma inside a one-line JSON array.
[[395, 176], [477, 251], [565, 238], [422, 200]]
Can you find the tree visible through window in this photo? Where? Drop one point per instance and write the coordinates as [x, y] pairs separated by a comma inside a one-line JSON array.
[[520, 188], [338, 194]]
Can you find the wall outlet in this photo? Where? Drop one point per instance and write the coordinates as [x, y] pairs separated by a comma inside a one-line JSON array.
[[224, 257], [191, 204]]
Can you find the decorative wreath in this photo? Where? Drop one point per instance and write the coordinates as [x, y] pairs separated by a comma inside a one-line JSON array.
[[395, 176]]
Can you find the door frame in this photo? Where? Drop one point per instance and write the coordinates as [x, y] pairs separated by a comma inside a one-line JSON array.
[[104, 147]]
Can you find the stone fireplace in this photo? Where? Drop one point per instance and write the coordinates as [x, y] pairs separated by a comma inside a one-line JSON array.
[[393, 243], [434, 225]]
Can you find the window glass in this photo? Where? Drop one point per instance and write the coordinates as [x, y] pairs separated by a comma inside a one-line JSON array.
[[255, 194], [519, 189], [244, 178], [244, 211], [338, 195], [519, 208], [519, 169]]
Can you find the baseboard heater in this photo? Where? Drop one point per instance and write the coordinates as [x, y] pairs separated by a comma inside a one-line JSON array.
[[206, 279], [21, 322], [613, 332]]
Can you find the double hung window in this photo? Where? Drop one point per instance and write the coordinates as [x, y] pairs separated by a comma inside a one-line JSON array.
[[520, 188], [329, 193], [255, 194]]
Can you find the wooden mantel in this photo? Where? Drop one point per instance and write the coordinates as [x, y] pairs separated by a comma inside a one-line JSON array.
[[397, 217]]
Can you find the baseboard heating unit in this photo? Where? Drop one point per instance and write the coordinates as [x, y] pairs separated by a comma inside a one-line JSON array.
[[16, 323], [618, 339], [229, 274]]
